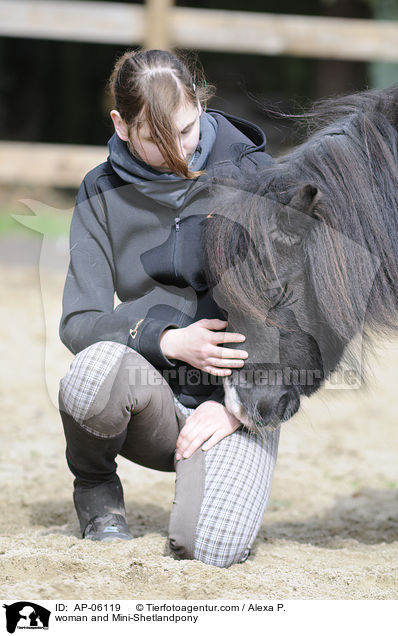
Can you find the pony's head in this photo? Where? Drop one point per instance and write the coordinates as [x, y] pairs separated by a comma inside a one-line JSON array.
[[304, 255]]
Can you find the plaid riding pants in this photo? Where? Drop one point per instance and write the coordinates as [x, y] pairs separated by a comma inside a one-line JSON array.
[[113, 401]]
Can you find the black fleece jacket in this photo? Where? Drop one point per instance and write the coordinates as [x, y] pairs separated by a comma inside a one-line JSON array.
[[149, 255]]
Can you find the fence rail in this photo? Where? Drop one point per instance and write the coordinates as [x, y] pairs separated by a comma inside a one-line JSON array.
[[159, 24], [203, 29], [59, 165]]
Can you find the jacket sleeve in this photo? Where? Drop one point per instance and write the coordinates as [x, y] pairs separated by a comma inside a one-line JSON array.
[[88, 313]]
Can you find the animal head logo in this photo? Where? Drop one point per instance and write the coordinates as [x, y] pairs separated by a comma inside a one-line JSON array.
[[45, 222], [26, 615], [55, 354]]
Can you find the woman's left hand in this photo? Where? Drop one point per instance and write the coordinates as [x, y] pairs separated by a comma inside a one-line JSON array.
[[209, 423]]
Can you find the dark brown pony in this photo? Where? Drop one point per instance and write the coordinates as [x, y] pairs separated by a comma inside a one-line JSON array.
[[303, 255]]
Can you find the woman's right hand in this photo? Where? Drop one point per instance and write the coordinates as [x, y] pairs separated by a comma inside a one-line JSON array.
[[197, 345]]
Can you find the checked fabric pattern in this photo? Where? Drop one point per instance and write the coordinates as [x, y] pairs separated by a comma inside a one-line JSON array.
[[88, 371], [238, 481], [185, 410]]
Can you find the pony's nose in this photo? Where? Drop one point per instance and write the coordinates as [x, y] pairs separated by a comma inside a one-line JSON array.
[[287, 406], [282, 407]]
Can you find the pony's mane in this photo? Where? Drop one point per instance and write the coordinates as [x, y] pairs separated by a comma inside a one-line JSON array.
[[351, 160]]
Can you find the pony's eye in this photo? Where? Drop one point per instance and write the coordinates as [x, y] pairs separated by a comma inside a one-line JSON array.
[[276, 294], [285, 237], [281, 296]]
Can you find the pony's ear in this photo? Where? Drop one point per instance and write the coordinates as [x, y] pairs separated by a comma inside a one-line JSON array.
[[305, 199], [296, 218]]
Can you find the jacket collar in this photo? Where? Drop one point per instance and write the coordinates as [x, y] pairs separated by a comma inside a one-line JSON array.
[[234, 137]]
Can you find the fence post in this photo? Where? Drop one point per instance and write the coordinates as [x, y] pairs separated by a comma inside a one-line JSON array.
[[158, 28]]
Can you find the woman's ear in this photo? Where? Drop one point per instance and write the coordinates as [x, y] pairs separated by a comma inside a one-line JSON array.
[[121, 128]]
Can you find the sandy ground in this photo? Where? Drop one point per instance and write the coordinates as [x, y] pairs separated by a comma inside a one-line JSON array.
[[330, 532]]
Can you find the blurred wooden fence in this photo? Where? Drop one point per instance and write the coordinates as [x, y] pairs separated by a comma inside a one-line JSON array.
[[61, 165], [159, 24]]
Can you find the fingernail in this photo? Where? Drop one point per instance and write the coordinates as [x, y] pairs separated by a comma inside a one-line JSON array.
[[178, 456]]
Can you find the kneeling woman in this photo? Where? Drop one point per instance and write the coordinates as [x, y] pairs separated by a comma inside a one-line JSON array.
[[146, 381]]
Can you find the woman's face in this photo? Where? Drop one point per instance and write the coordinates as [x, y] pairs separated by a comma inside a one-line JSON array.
[[187, 122]]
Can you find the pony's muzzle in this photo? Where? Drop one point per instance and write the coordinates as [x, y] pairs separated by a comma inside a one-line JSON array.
[[260, 410], [271, 410]]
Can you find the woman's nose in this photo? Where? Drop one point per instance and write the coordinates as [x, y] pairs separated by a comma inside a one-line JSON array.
[[182, 150]]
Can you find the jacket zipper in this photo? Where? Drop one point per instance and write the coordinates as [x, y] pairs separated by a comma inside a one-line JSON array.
[[177, 220], [177, 229]]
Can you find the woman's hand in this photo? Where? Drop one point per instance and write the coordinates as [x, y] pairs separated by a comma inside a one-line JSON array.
[[209, 423], [197, 345]]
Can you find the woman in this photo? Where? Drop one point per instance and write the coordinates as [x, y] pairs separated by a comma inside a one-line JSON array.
[[146, 382]]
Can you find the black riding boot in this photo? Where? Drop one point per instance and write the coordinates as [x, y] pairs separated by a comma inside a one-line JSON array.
[[98, 492]]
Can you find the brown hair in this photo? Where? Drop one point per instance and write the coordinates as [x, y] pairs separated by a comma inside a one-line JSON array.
[[148, 86]]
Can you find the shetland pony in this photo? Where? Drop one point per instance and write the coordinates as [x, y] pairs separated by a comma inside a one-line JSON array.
[[303, 254]]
